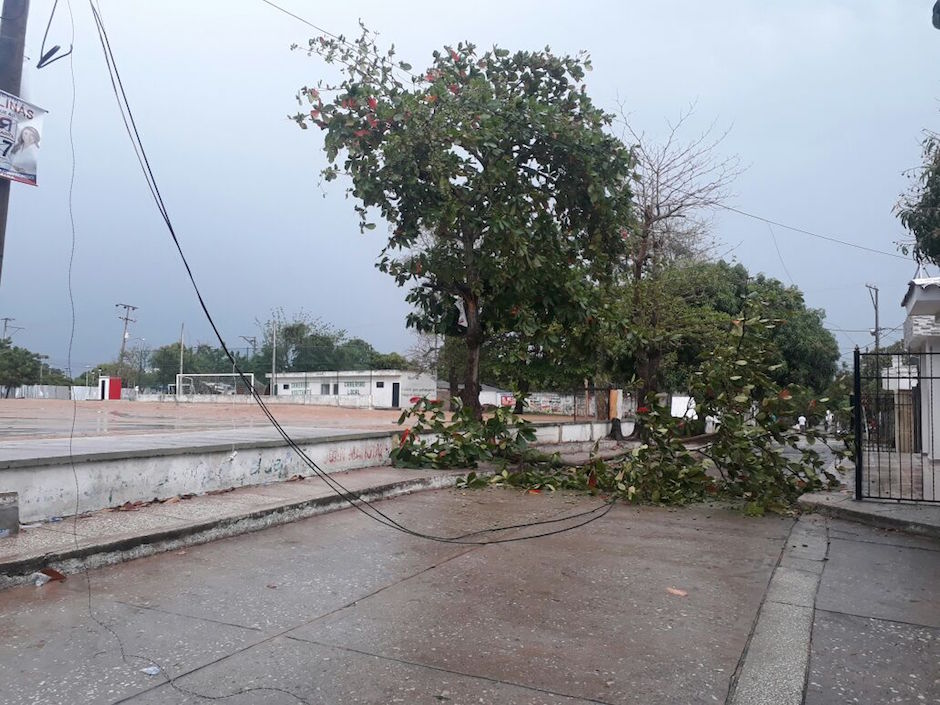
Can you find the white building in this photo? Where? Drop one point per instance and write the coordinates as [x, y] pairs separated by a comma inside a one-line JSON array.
[[391, 389], [922, 336]]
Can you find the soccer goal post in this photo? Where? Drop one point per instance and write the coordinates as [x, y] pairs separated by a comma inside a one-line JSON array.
[[214, 383]]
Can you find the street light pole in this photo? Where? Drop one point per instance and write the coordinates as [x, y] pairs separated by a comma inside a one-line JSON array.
[[873, 294]]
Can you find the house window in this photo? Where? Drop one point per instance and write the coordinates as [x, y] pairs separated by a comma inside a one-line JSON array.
[[285, 386], [380, 385], [336, 388], [325, 388]]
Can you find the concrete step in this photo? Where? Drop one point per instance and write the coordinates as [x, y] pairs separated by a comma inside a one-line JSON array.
[[111, 536]]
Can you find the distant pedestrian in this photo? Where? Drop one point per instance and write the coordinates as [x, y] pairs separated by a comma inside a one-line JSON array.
[[802, 422], [829, 418]]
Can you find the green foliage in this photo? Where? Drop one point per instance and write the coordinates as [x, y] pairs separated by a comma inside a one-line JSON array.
[[501, 185], [919, 208], [464, 442], [304, 344], [754, 457], [694, 305], [755, 451], [18, 366]]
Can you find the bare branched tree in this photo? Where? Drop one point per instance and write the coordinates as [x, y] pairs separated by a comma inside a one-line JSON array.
[[679, 184]]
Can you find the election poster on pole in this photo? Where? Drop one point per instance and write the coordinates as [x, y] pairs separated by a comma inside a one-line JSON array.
[[20, 136]]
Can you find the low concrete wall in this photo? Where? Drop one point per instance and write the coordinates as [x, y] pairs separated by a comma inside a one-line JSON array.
[[350, 401], [46, 489]]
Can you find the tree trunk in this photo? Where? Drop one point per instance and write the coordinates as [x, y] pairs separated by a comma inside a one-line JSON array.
[[616, 430], [453, 384], [523, 385], [474, 342]]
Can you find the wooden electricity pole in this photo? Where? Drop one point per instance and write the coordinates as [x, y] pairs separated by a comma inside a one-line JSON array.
[[12, 42], [127, 319]]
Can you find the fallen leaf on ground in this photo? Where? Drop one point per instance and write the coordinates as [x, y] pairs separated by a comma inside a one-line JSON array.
[[52, 574], [271, 587], [181, 553], [676, 591]]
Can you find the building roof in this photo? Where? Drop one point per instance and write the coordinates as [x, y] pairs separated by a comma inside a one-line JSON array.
[[333, 374], [922, 283]]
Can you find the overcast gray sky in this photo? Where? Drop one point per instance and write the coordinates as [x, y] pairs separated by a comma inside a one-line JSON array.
[[826, 100]]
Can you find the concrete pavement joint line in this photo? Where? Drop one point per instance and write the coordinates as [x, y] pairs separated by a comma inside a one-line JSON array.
[[184, 616], [880, 619], [465, 674], [775, 662]]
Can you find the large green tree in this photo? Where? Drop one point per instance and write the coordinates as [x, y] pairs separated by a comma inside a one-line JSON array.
[[699, 300], [502, 188], [919, 208]]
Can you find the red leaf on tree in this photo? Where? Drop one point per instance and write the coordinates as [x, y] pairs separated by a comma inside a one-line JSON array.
[[373, 103], [361, 133]]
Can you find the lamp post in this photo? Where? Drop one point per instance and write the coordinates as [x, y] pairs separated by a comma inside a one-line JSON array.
[[873, 294]]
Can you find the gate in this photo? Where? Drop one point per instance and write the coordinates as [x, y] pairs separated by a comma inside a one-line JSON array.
[[897, 440]]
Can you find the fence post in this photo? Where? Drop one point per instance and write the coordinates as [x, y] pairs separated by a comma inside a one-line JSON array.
[[857, 419]]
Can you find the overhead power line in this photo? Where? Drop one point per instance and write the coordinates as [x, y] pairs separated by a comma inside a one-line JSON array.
[[354, 499], [810, 232], [739, 211]]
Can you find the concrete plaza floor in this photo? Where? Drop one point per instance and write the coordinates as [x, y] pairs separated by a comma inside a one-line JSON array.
[[52, 418], [338, 609], [646, 605]]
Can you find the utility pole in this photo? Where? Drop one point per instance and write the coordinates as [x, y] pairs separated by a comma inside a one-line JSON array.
[[252, 341], [180, 380], [873, 293], [6, 324], [274, 358], [127, 319], [12, 43]]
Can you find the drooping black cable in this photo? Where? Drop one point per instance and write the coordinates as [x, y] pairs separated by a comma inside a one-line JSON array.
[[45, 58], [353, 498]]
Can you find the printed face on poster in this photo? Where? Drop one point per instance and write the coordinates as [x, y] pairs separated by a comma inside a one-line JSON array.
[[20, 135]]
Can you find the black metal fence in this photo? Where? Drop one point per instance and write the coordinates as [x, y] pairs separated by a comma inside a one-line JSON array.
[[896, 414]]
